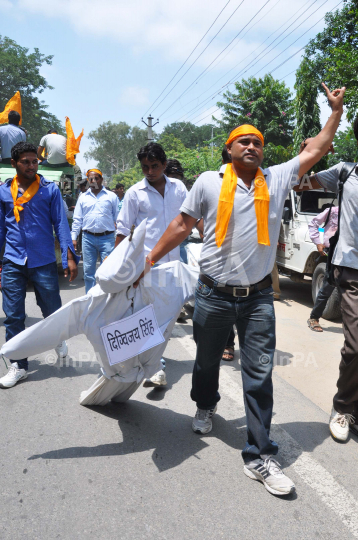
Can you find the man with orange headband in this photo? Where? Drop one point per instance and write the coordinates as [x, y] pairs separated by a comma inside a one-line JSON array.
[[95, 214], [242, 206]]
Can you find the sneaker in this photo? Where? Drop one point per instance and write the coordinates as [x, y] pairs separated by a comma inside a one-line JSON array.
[[268, 471], [13, 376], [62, 350], [202, 422], [159, 379], [339, 425]]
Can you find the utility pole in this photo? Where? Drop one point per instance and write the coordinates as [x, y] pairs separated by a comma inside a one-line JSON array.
[[212, 142], [150, 127]]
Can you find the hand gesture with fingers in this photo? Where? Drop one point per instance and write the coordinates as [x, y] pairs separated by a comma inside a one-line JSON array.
[[335, 98]]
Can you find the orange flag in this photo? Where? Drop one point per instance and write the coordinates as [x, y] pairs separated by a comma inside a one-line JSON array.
[[73, 144], [14, 104]]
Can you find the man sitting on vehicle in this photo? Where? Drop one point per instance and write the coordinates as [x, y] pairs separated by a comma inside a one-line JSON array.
[[11, 135], [55, 148], [329, 219]]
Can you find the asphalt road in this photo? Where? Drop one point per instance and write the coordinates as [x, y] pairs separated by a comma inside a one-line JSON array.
[[137, 471]]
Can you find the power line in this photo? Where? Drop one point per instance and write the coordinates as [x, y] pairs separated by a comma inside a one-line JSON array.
[[250, 63], [237, 35], [202, 52], [260, 56], [192, 52], [287, 59]]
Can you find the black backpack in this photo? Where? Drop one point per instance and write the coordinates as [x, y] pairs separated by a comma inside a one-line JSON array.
[[345, 173]]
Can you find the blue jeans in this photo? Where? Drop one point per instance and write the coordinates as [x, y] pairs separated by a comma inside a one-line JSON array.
[[14, 279], [322, 298], [92, 246], [214, 316]]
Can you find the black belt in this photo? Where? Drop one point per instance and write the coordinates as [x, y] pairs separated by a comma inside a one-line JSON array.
[[237, 291], [105, 233]]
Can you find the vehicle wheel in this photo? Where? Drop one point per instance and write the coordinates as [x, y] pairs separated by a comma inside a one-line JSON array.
[[333, 307]]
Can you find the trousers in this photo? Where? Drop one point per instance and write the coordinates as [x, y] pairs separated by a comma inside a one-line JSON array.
[[215, 314]]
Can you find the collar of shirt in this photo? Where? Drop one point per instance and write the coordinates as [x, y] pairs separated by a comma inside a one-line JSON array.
[[240, 182], [144, 184], [89, 192]]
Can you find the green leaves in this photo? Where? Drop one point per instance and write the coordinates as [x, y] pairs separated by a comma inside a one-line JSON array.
[[20, 70]]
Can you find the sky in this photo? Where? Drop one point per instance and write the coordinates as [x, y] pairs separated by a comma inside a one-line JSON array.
[[112, 59]]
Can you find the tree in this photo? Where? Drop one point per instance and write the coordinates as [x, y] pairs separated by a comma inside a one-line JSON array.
[[20, 70], [333, 54], [115, 146], [345, 146], [265, 103], [306, 106], [172, 146], [189, 134]]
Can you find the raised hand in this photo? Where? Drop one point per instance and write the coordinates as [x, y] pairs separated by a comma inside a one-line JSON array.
[[335, 98]]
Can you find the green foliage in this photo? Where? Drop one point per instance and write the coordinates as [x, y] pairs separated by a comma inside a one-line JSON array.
[[189, 134], [333, 54], [115, 146], [306, 107], [128, 178], [195, 162], [345, 146], [265, 103], [20, 70], [171, 145], [274, 155]]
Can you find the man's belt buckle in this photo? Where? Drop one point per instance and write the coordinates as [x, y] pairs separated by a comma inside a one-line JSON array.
[[240, 292]]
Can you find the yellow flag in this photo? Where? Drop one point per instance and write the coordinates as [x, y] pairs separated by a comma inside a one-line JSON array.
[[14, 104], [73, 144]]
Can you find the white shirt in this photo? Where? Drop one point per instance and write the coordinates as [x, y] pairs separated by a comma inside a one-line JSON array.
[[95, 213], [55, 146], [143, 201], [240, 260]]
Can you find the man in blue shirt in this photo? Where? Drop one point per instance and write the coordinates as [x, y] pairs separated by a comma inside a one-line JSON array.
[[95, 213], [119, 191], [30, 208], [10, 135]]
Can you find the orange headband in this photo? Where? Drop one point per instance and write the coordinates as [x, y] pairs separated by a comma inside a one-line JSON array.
[[94, 170], [245, 129]]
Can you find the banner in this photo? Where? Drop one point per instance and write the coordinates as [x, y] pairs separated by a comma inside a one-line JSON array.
[[131, 336]]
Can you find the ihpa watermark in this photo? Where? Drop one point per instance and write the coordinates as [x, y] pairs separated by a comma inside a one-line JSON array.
[[294, 360]]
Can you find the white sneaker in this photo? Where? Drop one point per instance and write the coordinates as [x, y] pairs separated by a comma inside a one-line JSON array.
[[202, 422], [159, 379], [13, 376], [268, 471], [62, 350], [339, 425]]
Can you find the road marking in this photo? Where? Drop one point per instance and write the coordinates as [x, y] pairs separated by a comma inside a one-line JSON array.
[[335, 496]]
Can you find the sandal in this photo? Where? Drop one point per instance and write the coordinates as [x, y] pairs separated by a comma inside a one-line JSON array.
[[228, 354], [314, 325]]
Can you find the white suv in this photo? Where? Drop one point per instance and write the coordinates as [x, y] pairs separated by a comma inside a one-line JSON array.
[[297, 256]]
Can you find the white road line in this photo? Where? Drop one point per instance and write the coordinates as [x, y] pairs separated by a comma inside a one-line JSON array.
[[335, 496]]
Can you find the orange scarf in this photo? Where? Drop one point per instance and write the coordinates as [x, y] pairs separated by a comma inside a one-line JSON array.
[[25, 197], [226, 204]]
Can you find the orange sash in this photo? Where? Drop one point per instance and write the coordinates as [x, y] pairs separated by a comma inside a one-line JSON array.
[[25, 197], [226, 204]]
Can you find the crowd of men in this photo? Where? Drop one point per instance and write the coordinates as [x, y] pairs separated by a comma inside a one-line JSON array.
[[238, 211]]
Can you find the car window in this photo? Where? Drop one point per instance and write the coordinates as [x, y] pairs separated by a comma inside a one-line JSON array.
[[314, 202]]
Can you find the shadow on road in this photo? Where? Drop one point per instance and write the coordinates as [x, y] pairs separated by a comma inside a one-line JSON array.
[[62, 369]]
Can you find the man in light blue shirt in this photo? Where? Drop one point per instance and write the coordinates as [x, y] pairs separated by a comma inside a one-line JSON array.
[[10, 135], [95, 213]]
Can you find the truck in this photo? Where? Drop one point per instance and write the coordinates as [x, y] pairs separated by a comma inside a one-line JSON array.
[[297, 256]]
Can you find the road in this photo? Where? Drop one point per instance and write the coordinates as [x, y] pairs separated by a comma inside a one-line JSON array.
[[137, 471]]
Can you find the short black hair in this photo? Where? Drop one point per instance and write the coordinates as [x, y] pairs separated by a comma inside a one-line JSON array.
[[225, 156], [152, 151], [14, 118], [355, 128], [21, 148], [119, 185], [52, 130], [173, 167]]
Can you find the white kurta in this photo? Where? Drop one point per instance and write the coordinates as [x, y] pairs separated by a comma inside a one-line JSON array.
[[167, 287]]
